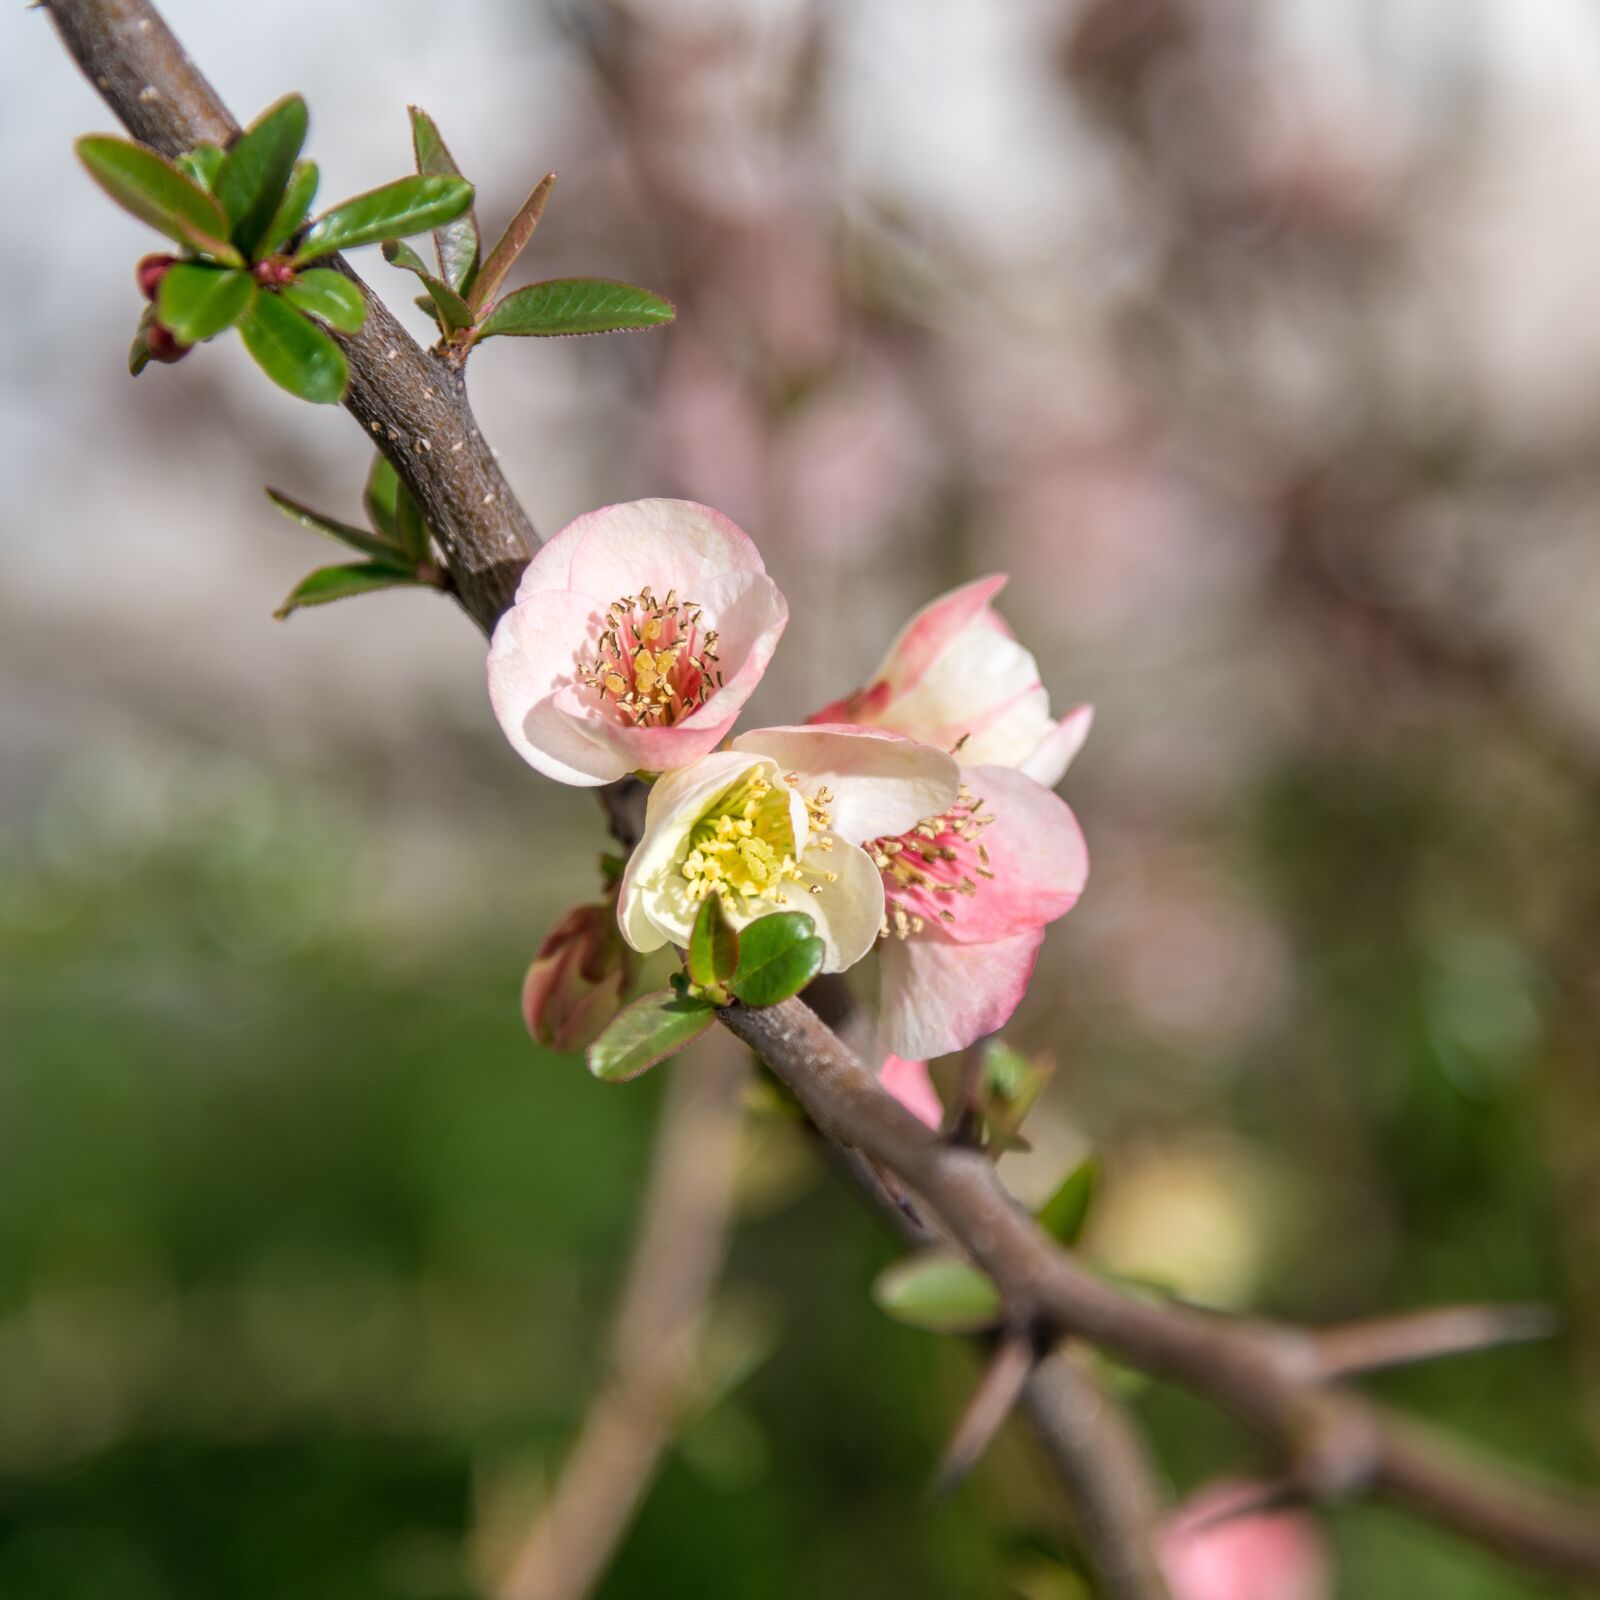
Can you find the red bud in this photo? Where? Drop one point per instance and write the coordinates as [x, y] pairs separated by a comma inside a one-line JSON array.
[[150, 272], [579, 979], [164, 345]]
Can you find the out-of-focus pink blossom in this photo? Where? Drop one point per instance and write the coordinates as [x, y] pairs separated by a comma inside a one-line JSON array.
[[909, 1083], [579, 979], [956, 678], [967, 896], [1207, 1553], [638, 633]]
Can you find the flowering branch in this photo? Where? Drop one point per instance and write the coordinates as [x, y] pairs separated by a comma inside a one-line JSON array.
[[412, 403], [1277, 1380]]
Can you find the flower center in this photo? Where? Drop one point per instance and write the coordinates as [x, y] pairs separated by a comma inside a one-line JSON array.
[[655, 664], [928, 868], [744, 844]]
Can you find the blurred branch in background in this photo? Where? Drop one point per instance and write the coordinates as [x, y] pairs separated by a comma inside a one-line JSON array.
[[654, 1351]]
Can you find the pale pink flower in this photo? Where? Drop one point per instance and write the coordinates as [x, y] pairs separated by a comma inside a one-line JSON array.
[[957, 679], [1208, 1553], [968, 894], [637, 635], [909, 1083], [776, 823]]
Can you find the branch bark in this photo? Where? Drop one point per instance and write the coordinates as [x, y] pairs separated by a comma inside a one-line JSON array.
[[1271, 1378], [412, 404]]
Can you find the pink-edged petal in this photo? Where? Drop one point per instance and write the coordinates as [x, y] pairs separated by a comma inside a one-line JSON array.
[[929, 633], [675, 804], [1049, 762], [936, 996], [909, 1083], [848, 912], [983, 686], [666, 544], [1036, 853], [881, 783], [533, 654]]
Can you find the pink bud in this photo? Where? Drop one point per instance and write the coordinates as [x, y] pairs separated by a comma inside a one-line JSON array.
[[150, 271], [579, 979], [1213, 1548], [164, 345]]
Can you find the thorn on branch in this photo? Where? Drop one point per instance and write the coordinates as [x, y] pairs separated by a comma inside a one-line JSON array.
[[992, 1402], [1380, 1344]]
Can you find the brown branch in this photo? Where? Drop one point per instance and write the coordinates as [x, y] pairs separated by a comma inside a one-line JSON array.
[[686, 1212], [1100, 1457], [1335, 1440], [412, 404]]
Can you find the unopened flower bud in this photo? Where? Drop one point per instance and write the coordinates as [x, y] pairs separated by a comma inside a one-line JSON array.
[[164, 345], [150, 271], [579, 979]]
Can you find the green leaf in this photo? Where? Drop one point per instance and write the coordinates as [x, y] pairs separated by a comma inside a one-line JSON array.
[[455, 242], [295, 353], [778, 956], [198, 302], [290, 217], [410, 527], [155, 191], [329, 295], [407, 206], [139, 351], [424, 303], [339, 583], [383, 484], [369, 544], [939, 1292], [576, 305], [713, 944], [452, 312], [1063, 1215], [511, 245], [655, 1026], [202, 164], [256, 172]]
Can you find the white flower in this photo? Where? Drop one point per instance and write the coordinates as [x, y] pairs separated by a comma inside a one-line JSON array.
[[776, 824]]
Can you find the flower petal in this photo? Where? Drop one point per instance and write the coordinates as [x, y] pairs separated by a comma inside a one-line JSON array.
[[1049, 762], [665, 544], [848, 912], [983, 687], [881, 783], [935, 996], [534, 653], [909, 1083], [931, 631], [1036, 853]]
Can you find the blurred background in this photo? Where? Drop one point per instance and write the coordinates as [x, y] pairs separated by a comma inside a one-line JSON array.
[[1255, 340]]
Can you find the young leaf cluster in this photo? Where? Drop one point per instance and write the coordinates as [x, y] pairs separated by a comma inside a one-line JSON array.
[[397, 545], [463, 295], [767, 961], [247, 254]]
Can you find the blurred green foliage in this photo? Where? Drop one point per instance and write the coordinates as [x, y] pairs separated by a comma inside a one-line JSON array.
[[306, 1252]]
